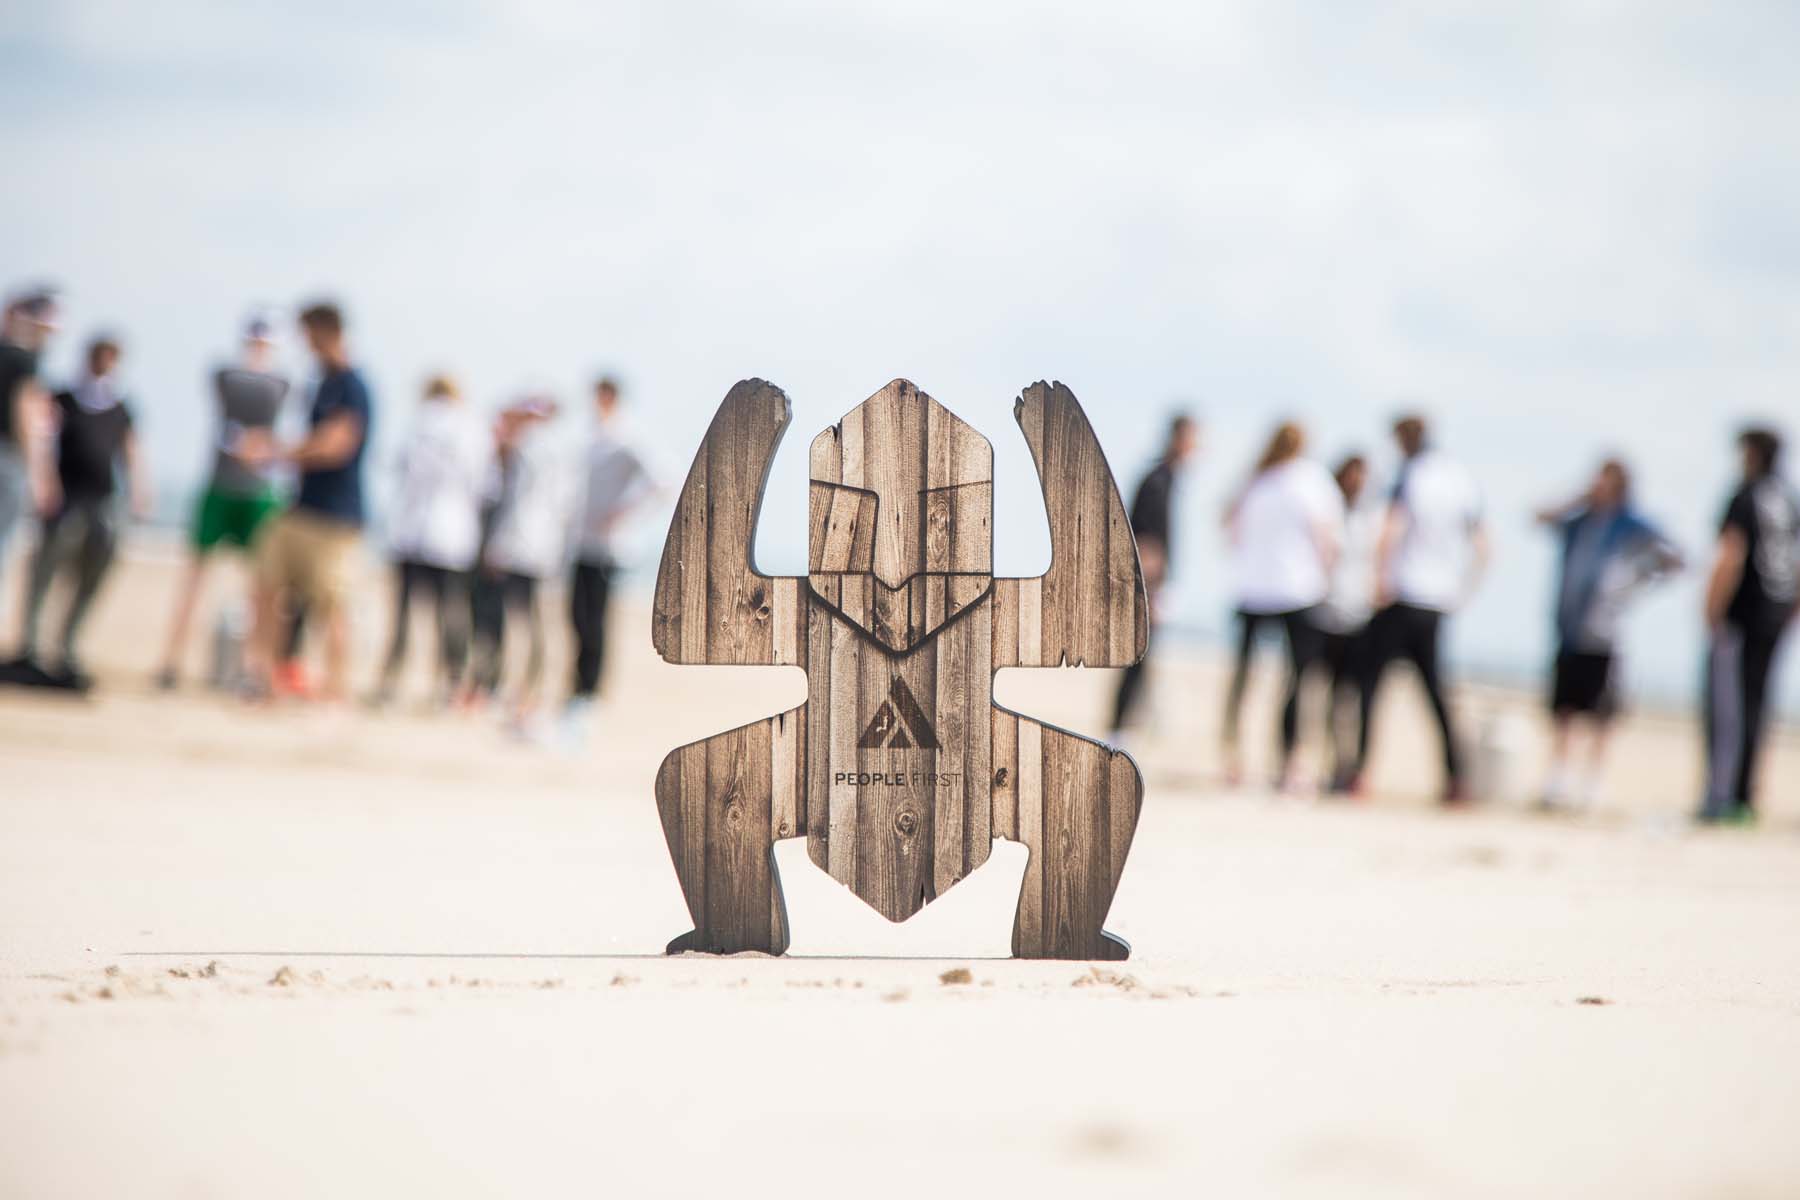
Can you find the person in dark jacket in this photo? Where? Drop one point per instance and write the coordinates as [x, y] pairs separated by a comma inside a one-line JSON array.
[[1152, 523]]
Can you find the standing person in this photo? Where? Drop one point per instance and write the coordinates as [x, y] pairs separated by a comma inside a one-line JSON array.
[[1343, 619], [1285, 530], [1609, 552], [1751, 597], [94, 438], [1430, 558], [527, 544], [435, 532], [27, 474], [616, 482], [306, 553], [239, 498], [1152, 524]]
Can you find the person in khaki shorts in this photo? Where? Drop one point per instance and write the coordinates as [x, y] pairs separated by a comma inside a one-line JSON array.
[[305, 554]]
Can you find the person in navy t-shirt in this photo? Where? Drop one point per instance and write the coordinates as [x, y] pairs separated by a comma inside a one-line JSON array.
[[306, 555]]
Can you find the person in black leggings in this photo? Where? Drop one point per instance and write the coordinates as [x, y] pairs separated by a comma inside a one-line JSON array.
[[1432, 552], [1305, 647]]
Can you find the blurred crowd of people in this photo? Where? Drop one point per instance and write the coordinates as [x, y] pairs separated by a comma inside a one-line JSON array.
[[486, 512], [1353, 582]]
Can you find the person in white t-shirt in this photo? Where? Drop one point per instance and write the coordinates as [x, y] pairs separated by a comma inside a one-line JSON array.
[[434, 531], [1285, 528], [527, 542], [1430, 559]]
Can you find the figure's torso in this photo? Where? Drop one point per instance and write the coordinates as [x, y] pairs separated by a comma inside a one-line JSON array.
[[898, 757]]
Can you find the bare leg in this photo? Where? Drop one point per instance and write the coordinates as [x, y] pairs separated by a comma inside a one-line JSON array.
[[337, 653], [720, 816], [1596, 759], [187, 599], [267, 633], [1556, 781]]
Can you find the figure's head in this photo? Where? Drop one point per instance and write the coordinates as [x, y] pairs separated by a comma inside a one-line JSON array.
[[1612, 485], [442, 389], [1352, 475], [901, 515], [103, 354], [1761, 450], [322, 325], [606, 396], [1410, 433]]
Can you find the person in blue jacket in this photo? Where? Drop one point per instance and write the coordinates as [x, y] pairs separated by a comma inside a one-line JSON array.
[[1609, 553]]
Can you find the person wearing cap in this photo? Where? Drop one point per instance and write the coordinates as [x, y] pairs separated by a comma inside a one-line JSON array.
[[27, 474], [239, 498], [1752, 596]]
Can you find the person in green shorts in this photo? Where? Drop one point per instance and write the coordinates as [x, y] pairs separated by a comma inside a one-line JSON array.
[[239, 499]]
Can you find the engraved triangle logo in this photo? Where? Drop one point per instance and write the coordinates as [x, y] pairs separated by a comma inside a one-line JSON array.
[[899, 724]]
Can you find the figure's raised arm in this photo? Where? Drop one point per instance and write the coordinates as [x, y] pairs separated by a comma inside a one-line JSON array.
[[1090, 609], [712, 605]]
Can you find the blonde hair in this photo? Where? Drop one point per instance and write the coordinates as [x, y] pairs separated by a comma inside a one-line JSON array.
[[442, 385], [1286, 443]]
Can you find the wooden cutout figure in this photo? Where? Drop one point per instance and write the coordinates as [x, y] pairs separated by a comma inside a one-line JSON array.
[[899, 769]]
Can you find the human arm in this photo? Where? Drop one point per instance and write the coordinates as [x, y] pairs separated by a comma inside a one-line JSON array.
[[137, 477], [34, 420], [1726, 573]]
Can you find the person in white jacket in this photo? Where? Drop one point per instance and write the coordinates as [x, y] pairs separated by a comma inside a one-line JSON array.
[[435, 529]]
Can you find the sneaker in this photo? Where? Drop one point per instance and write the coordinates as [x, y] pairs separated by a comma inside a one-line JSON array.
[[290, 679], [573, 726], [166, 680]]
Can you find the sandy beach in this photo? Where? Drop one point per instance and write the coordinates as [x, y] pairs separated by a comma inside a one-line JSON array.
[[301, 953]]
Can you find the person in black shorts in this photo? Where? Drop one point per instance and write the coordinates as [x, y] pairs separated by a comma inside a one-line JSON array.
[[1152, 524], [79, 538], [1609, 552], [1751, 596]]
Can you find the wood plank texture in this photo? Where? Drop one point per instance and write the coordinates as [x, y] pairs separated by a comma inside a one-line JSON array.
[[899, 770]]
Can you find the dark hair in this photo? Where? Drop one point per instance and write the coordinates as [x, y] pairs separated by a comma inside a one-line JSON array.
[[608, 383], [1409, 431], [101, 347], [1616, 466], [1179, 423], [1762, 444], [323, 317], [1350, 462]]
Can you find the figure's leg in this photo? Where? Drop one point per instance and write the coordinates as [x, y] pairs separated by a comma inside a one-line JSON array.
[[725, 802], [1074, 803]]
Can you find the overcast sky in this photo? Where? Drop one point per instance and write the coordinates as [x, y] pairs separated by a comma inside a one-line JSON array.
[[1564, 228]]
